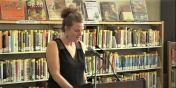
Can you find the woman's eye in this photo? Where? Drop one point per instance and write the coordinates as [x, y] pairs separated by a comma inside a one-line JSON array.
[[76, 30], [79, 30]]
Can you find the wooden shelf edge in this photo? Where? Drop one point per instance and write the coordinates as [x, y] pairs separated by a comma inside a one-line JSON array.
[[154, 22], [51, 22], [7, 22], [60, 22], [122, 71], [20, 82]]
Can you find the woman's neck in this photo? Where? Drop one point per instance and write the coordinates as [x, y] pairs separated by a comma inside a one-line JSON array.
[[66, 41]]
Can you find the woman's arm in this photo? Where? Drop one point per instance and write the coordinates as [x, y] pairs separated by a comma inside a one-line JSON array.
[[53, 62], [84, 49], [85, 78]]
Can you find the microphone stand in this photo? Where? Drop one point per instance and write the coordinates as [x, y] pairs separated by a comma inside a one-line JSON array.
[[97, 57], [95, 77]]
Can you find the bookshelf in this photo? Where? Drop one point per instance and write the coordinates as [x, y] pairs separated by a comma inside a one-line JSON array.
[[158, 25], [171, 46], [60, 22], [8, 83]]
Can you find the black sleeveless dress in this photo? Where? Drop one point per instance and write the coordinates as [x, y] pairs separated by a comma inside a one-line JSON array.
[[71, 69]]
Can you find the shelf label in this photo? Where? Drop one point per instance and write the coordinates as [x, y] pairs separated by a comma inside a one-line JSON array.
[[26, 22], [91, 22], [140, 23]]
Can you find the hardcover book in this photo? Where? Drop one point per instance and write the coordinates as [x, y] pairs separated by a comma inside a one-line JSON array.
[[35, 10], [109, 11], [76, 4], [126, 13], [92, 11], [54, 8], [12, 10], [139, 10]]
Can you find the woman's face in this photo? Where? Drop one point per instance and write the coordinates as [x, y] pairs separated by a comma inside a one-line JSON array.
[[106, 14], [75, 32]]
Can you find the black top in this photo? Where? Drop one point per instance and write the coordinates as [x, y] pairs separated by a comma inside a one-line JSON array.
[[71, 69]]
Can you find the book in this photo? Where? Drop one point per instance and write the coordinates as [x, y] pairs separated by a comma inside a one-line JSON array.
[[76, 4], [54, 8], [126, 13], [12, 10], [92, 11], [109, 11], [35, 10], [139, 10]]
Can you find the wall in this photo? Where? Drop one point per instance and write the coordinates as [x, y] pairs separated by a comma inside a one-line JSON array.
[[168, 15]]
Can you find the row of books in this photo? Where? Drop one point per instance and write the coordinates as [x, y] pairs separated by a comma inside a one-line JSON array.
[[173, 77], [28, 87], [37, 40], [173, 53], [41, 9], [114, 62], [122, 37], [32, 87], [25, 40], [150, 78], [19, 70], [105, 79]]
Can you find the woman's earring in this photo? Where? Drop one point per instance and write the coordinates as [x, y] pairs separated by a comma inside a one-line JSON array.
[[66, 36]]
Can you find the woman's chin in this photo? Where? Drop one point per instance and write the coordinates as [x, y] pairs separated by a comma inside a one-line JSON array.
[[76, 40]]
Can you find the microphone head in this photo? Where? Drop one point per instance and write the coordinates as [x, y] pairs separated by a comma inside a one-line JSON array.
[[89, 48], [96, 46], [93, 51]]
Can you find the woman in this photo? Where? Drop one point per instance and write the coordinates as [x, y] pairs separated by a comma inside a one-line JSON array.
[[65, 55]]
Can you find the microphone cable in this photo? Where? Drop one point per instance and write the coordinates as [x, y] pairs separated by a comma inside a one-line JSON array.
[[118, 79]]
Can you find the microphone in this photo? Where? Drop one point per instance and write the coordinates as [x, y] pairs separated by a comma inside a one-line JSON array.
[[94, 51]]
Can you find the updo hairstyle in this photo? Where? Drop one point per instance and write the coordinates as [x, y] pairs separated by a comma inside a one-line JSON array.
[[69, 16]]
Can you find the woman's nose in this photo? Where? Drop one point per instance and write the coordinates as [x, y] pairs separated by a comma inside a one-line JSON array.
[[80, 33]]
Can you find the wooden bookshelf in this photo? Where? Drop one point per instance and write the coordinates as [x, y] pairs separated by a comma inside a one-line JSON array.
[[159, 25], [109, 49], [60, 22], [50, 22], [169, 67], [30, 81], [125, 71], [171, 46]]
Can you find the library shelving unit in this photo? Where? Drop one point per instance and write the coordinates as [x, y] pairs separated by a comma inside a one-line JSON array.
[[171, 47], [158, 25]]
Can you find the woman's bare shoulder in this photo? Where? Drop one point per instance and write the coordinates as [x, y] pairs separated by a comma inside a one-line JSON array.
[[83, 46]]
